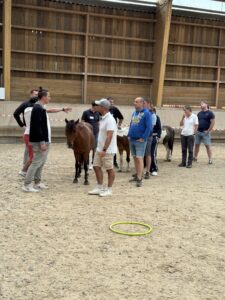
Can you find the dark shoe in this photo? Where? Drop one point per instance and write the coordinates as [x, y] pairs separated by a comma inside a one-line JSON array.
[[195, 159], [210, 162], [139, 182], [189, 166], [181, 165], [133, 179], [147, 175]]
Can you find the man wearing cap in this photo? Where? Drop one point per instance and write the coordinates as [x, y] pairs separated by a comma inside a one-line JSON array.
[[189, 122], [91, 116], [206, 119], [106, 149]]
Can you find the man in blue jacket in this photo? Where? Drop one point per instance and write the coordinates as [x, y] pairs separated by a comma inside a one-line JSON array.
[[139, 131]]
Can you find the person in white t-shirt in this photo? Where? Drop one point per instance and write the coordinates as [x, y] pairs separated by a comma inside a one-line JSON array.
[[106, 149], [189, 123]]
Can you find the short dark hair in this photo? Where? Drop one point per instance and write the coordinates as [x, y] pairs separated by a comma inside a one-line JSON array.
[[93, 103], [33, 90], [42, 92], [109, 98]]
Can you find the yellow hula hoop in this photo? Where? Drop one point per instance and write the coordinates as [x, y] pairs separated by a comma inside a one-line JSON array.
[[149, 228]]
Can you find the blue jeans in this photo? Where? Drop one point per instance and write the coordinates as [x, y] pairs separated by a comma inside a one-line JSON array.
[[137, 148], [204, 137]]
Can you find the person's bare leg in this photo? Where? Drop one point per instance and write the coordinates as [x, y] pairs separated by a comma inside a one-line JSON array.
[[139, 167], [148, 162], [111, 177], [196, 150], [99, 175], [209, 151]]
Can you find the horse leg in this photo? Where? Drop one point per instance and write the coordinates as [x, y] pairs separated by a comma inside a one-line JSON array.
[[79, 170], [121, 161], [76, 172], [86, 182], [167, 153], [128, 160]]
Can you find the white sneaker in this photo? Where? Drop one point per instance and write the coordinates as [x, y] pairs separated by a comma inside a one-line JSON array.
[[40, 186], [154, 173], [95, 191], [91, 167], [22, 173], [29, 188], [105, 193]]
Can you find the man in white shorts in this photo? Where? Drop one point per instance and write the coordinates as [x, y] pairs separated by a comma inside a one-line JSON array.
[[106, 149]]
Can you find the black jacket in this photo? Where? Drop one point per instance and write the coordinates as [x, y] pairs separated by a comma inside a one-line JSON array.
[[38, 125], [157, 129], [20, 110]]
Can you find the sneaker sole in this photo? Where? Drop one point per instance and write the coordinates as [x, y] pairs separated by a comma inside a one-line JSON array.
[[26, 191]]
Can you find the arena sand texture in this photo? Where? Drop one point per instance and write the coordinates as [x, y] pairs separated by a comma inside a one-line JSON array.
[[57, 244]]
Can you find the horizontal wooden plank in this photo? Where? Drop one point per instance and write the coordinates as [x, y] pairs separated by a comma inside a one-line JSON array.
[[190, 80], [122, 93], [181, 95], [66, 91], [198, 24], [104, 36], [76, 12], [46, 53]]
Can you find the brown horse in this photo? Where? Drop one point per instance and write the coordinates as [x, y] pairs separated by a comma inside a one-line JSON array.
[[123, 145], [81, 139]]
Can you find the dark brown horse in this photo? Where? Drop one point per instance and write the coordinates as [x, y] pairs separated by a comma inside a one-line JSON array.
[[80, 138]]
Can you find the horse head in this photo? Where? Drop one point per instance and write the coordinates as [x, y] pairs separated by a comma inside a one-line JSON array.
[[70, 131]]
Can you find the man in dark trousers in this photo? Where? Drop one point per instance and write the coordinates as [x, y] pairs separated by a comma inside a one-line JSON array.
[[118, 118], [157, 131], [21, 122], [91, 116]]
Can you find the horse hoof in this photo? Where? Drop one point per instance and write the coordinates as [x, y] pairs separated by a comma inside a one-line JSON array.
[[86, 183], [75, 180]]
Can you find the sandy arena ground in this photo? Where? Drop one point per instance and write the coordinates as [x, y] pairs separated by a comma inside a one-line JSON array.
[[57, 244]]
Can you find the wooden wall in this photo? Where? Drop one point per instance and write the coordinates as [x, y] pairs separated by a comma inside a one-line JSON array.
[[105, 52], [83, 52], [195, 62]]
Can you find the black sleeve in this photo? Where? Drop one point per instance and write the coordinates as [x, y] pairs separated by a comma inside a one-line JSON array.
[[18, 112], [118, 114], [159, 126], [83, 118]]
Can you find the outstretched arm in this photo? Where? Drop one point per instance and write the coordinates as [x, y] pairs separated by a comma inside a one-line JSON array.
[[55, 110]]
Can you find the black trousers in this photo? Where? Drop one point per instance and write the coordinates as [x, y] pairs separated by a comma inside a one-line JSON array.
[[154, 166], [187, 145]]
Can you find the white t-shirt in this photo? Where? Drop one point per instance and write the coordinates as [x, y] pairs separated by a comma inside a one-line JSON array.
[[27, 117], [189, 123], [107, 123]]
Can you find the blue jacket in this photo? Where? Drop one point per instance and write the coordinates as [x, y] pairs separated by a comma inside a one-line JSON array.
[[140, 125]]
